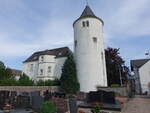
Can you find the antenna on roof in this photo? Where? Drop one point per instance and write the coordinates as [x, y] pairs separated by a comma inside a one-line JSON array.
[[87, 3], [148, 54]]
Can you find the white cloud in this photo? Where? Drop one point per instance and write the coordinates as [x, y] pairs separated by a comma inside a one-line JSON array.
[[130, 19]]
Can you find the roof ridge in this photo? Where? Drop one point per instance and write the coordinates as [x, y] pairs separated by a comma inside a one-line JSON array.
[[141, 59], [50, 49]]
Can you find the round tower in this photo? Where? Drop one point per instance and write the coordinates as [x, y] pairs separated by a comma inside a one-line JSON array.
[[89, 51]]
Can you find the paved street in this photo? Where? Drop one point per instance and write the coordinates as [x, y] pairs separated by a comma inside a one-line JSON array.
[[137, 105]]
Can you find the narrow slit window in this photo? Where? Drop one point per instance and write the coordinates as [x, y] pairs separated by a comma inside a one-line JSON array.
[[83, 24], [102, 55], [94, 39], [87, 23], [75, 43]]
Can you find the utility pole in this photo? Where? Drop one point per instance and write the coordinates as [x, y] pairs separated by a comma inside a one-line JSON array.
[[120, 75], [87, 3]]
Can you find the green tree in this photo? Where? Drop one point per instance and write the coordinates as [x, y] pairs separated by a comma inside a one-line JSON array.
[[2, 70], [48, 83], [2, 65], [8, 81], [48, 107], [116, 69], [24, 80], [96, 109], [69, 81]]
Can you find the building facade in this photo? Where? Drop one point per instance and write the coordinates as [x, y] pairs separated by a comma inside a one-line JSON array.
[[89, 51], [46, 65], [141, 69]]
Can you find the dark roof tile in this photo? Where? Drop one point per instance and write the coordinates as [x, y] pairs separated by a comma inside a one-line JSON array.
[[58, 52], [88, 13], [138, 63]]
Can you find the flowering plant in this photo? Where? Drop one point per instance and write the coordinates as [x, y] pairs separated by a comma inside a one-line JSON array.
[[7, 107]]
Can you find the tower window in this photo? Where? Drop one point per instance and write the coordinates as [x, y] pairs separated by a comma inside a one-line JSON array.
[[94, 39], [75, 43], [83, 24], [102, 55], [87, 23]]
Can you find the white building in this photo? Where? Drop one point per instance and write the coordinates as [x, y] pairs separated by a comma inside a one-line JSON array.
[[89, 51], [141, 68], [45, 65]]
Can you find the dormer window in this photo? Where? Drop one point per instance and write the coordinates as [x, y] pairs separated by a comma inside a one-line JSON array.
[[42, 58], [60, 54]]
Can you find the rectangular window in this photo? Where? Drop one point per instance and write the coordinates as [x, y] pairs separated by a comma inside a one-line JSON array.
[[87, 23], [83, 24], [31, 67], [49, 69], [94, 39], [41, 71], [42, 58]]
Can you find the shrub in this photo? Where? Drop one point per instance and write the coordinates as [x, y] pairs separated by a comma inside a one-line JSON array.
[[48, 83], [48, 107], [96, 109], [69, 80]]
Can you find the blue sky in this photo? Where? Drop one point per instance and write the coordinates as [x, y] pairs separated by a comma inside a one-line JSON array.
[[27, 26]]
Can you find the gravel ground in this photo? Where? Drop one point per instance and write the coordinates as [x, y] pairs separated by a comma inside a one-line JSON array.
[[17, 111], [137, 105]]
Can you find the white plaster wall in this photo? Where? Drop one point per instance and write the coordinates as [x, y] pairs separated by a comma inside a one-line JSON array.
[[27, 69], [58, 67], [144, 73], [49, 60], [91, 67]]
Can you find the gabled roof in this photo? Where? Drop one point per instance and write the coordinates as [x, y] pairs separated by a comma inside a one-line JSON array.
[[58, 52], [138, 63], [87, 12]]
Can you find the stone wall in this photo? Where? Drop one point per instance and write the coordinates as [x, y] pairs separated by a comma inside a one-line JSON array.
[[29, 88], [119, 91]]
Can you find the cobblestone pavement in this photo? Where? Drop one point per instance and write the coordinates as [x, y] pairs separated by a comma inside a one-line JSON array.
[[137, 105]]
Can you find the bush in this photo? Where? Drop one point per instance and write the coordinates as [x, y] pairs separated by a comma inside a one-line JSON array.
[[96, 109], [9, 81], [115, 85], [24, 80], [48, 107], [48, 83]]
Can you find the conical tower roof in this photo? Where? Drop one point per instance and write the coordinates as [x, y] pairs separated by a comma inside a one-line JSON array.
[[88, 13]]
